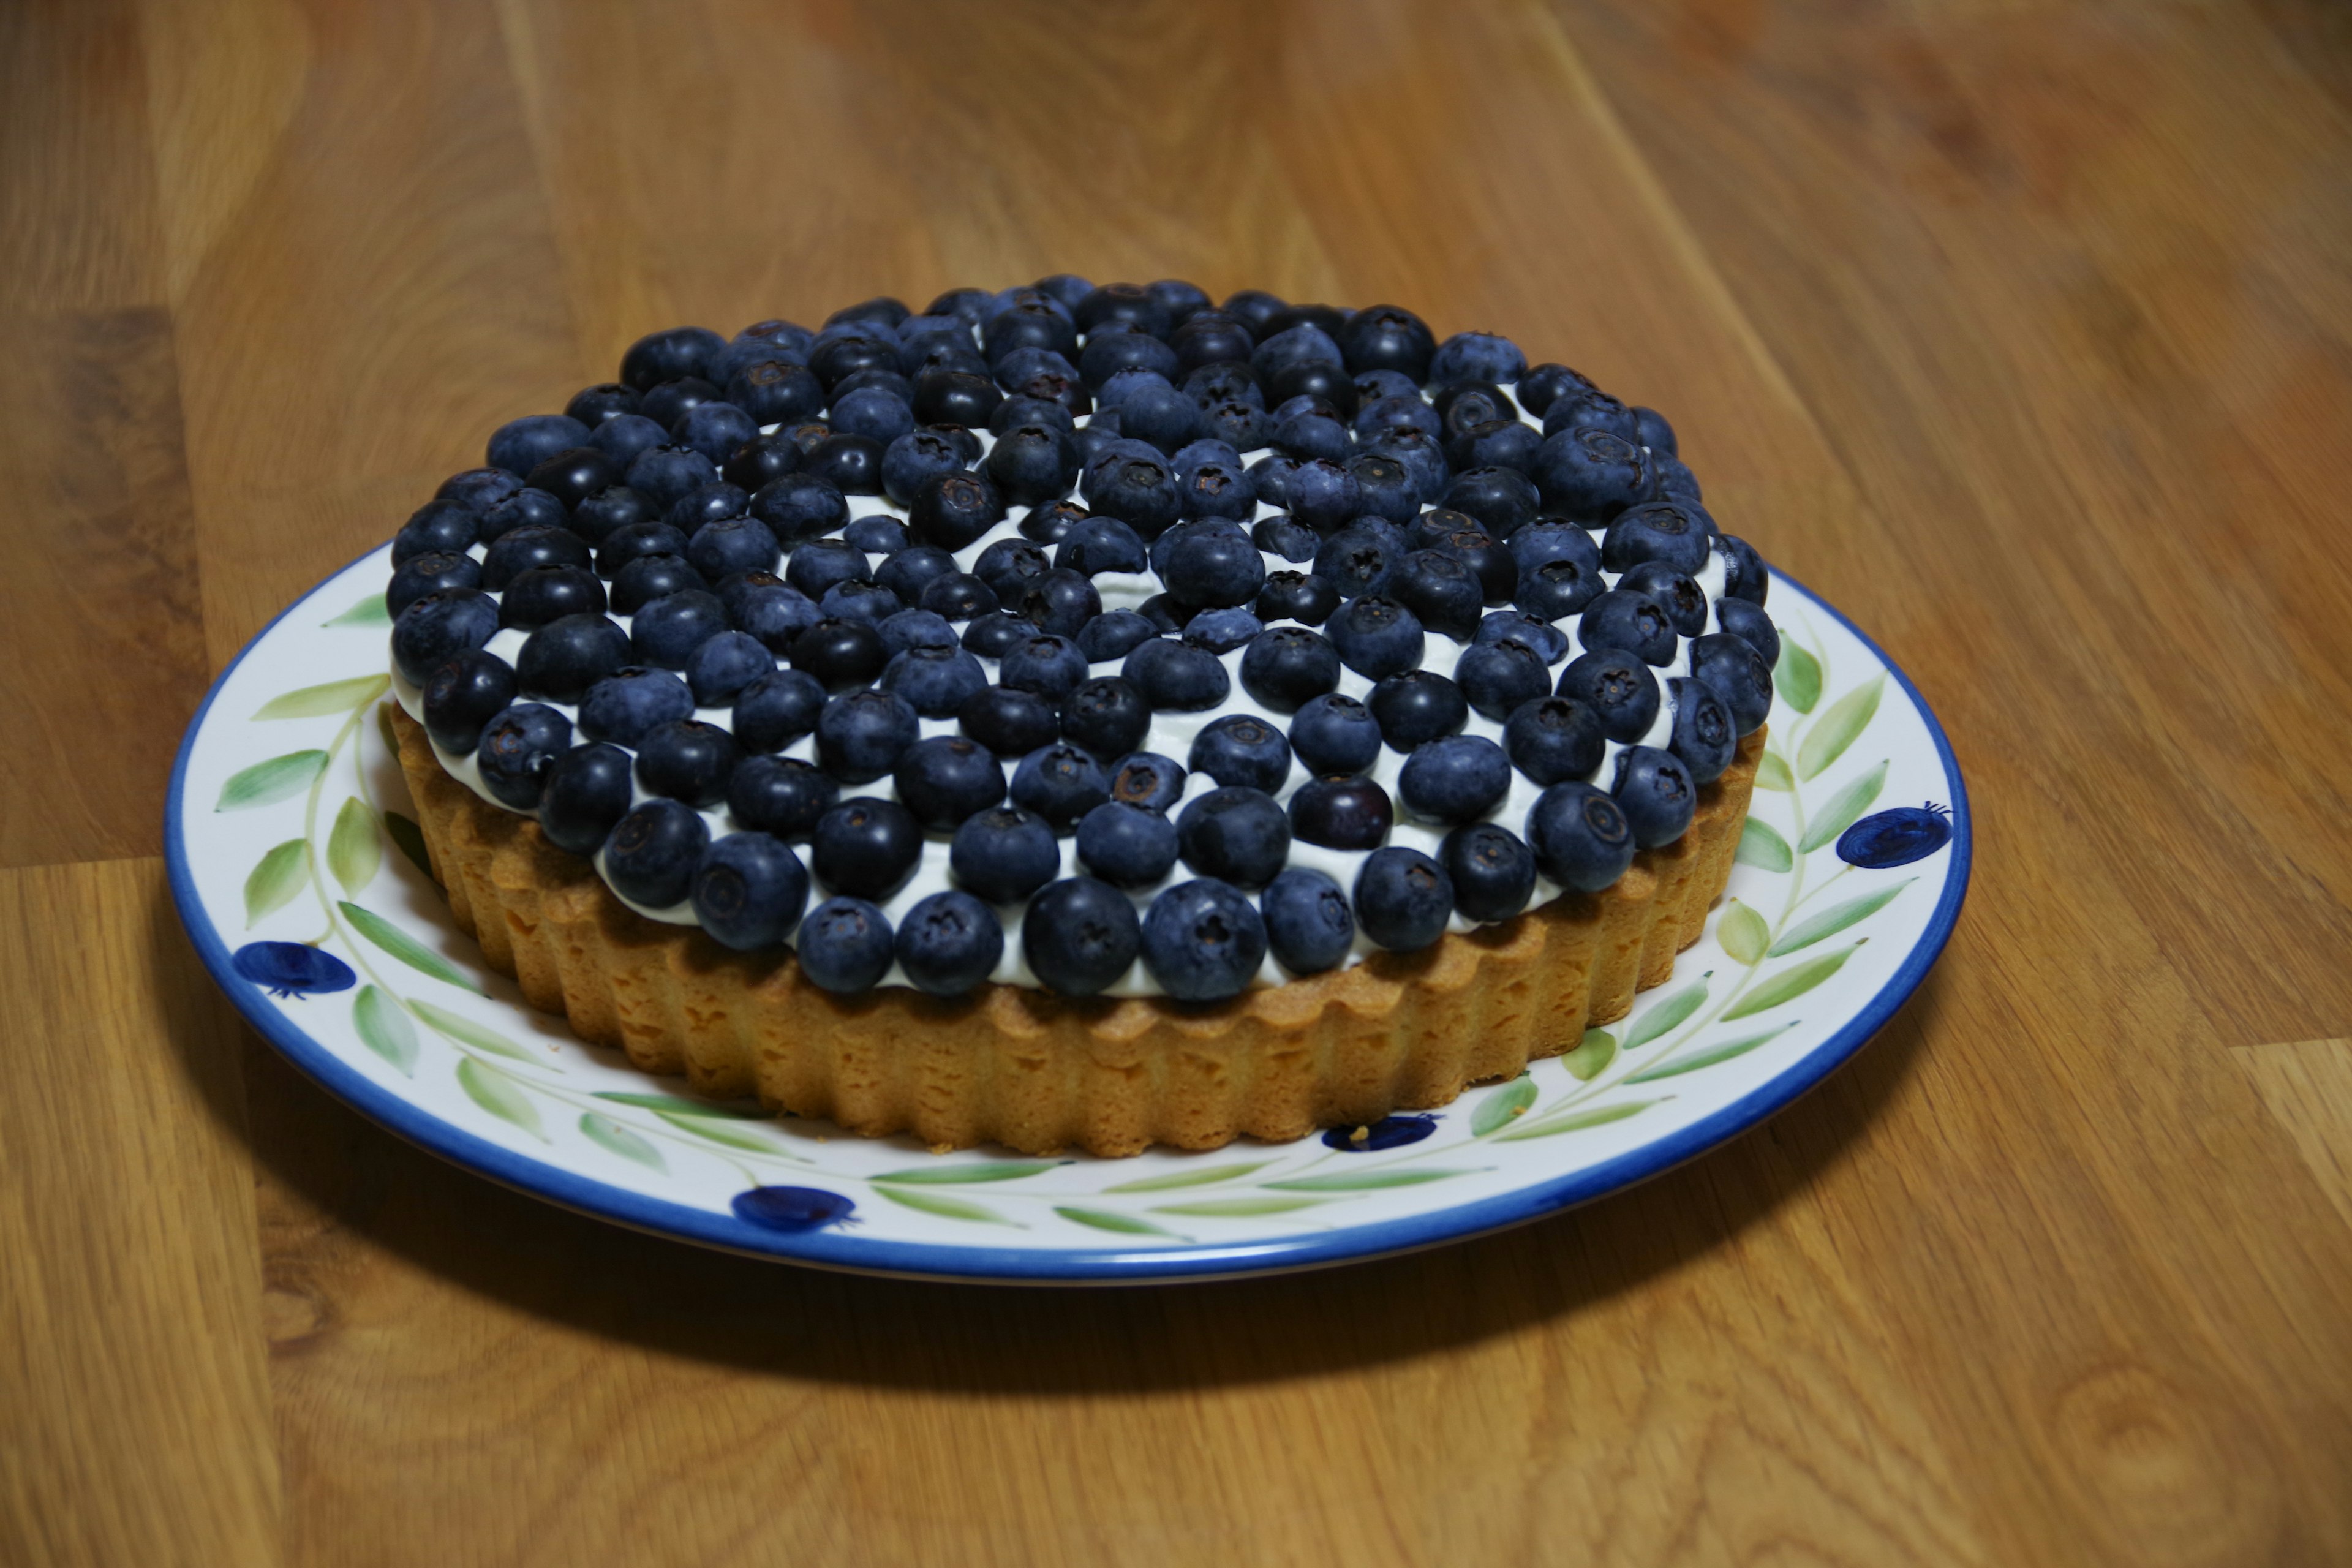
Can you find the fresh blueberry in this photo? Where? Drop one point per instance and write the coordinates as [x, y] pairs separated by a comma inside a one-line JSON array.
[[521, 444], [1682, 600], [1101, 544], [877, 414], [936, 680], [844, 654], [866, 847], [1241, 748], [861, 736], [1235, 833], [634, 542], [1147, 779], [706, 504], [948, 943], [1896, 836], [1359, 559], [432, 572], [866, 602], [588, 791], [1591, 476], [955, 596], [947, 778], [1454, 779], [623, 706], [1080, 935], [667, 475], [1619, 689], [438, 626], [1492, 869], [436, 528], [1477, 356], [1321, 494], [1296, 596], [1114, 634], [592, 405], [1138, 489], [1286, 666], [1127, 845], [1127, 303], [1737, 673], [749, 890], [781, 796], [1442, 592], [463, 694], [1415, 707], [835, 356], [908, 572], [1222, 631], [1745, 576], [1203, 940], [1558, 589], [777, 709], [1591, 410], [1219, 489], [1704, 735], [1302, 345], [1293, 541], [1004, 855], [1496, 678], [665, 632], [1422, 457], [1060, 783], [1181, 299], [1385, 489], [770, 610], [1328, 385], [950, 396], [1546, 641], [776, 391], [687, 759], [1382, 417], [1107, 715], [1543, 385], [1162, 550], [1051, 667], [1498, 444], [1555, 739], [1335, 734], [1403, 898], [1309, 924], [613, 507], [1032, 464], [651, 853], [1341, 812], [1635, 622], [1676, 532], [1177, 675], [1060, 601], [715, 429], [525, 548], [1166, 616], [628, 437], [1008, 722], [1226, 381], [950, 511], [544, 594], [1500, 499], [1107, 353], [849, 462], [1746, 620], [1211, 337], [725, 665], [1655, 791], [664, 355], [798, 506], [1389, 338], [820, 563], [478, 490], [1254, 307], [805, 438], [1377, 636], [723, 549], [564, 657], [573, 477], [531, 509], [845, 946]]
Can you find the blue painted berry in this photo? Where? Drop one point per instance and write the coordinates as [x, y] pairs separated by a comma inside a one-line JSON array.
[[1340, 811], [793, 1210], [1127, 845], [781, 796], [947, 778], [564, 657], [588, 791], [1080, 935], [1203, 940], [1492, 869], [1403, 898], [749, 890], [292, 968], [1896, 836], [1388, 1132], [1619, 689], [1580, 838], [1655, 791], [845, 946], [652, 851], [1236, 833]]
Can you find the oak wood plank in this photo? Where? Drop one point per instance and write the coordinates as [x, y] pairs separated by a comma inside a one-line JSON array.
[[2307, 1085]]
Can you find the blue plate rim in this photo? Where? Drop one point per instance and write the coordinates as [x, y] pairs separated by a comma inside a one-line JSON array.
[[926, 1261]]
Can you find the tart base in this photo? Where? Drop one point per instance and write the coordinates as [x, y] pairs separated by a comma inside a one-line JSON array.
[[1041, 1073]]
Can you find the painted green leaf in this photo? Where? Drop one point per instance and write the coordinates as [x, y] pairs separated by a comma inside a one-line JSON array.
[[481, 1036], [1195, 1178], [607, 1133], [717, 1130], [1843, 810], [1797, 678], [946, 1207], [1674, 1067], [353, 850], [1572, 1120], [1503, 1106], [961, 1176], [371, 611], [1103, 1219], [391, 736], [1772, 773], [384, 1028], [1668, 1013], [405, 947], [499, 1095], [1361, 1181], [267, 784], [334, 697], [1790, 983], [1238, 1208], [1760, 845], [686, 1107], [1590, 1054], [275, 879], [1836, 729], [1831, 921], [410, 838], [1743, 933]]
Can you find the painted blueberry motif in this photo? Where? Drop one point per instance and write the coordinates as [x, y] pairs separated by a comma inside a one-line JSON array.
[[1388, 1132], [292, 969], [1896, 836], [792, 1209]]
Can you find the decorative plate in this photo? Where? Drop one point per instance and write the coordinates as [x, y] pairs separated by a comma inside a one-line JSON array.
[[298, 866]]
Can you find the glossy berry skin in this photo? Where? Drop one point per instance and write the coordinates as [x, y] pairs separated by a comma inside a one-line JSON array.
[[1359, 559], [466, 693], [1222, 631], [1455, 779], [1113, 635], [1295, 543], [1203, 940], [1635, 622], [1557, 590], [1309, 924], [777, 710], [1749, 621], [1580, 838], [956, 595], [956, 397], [775, 392], [545, 594], [1127, 845], [1377, 636], [651, 853], [909, 572], [1619, 689], [478, 490], [517, 750], [521, 444], [623, 706], [799, 507], [1060, 783], [1080, 935], [1745, 574], [1554, 739], [1106, 715], [1655, 791], [592, 405], [948, 943], [436, 528], [1704, 736], [626, 437], [1139, 490], [725, 665], [1543, 384], [1554, 539], [564, 657], [1896, 836], [781, 796], [668, 475], [1682, 598], [845, 946], [616, 506], [634, 542], [1242, 749], [822, 564], [937, 681], [1004, 855], [665, 355], [1009, 724], [749, 890], [1236, 833], [438, 626], [1101, 544], [844, 654], [1591, 476], [722, 548], [1296, 596], [904, 629], [1442, 592], [1416, 707], [1547, 642], [524, 548], [1500, 499], [867, 848], [1498, 444], [1492, 869], [1735, 673], [1495, 678], [1677, 533], [861, 736], [1286, 666], [1052, 523], [1147, 779], [1477, 356], [587, 792], [666, 633], [1335, 734], [1341, 811], [1391, 338], [1173, 674], [572, 477], [1212, 570], [1489, 562], [946, 778], [687, 759], [1403, 898]]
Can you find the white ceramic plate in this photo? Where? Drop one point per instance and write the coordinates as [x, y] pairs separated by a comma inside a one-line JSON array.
[[296, 866]]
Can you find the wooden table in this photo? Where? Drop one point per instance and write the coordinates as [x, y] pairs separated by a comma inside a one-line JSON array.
[[2023, 333]]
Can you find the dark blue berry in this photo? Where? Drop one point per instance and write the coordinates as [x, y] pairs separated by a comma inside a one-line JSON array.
[[1477, 356], [1341, 812], [1236, 834], [1500, 499], [573, 477], [777, 709], [1546, 540], [588, 791], [1080, 935], [845, 654], [850, 463], [758, 602], [1286, 666], [664, 355], [1675, 532], [1416, 707], [1382, 417], [725, 665], [1181, 299], [1704, 735], [564, 657], [1335, 734], [1557, 589], [749, 890], [1210, 337], [845, 946], [1555, 739], [1454, 779], [634, 542], [1746, 620], [1301, 344], [1127, 845], [908, 573], [1737, 673], [623, 706], [438, 626], [1385, 488], [1376, 637], [1444, 594], [1359, 559], [956, 595], [1403, 898], [626, 437], [1147, 779], [1176, 675], [1496, 678], [1423, 457], [1215, 569], [861, 736], [1591, 409], [1254, 307], [1101, 544], [1222, 631], [1543, 384], [1219, 489], [665, 632], [867, 848], [715, 429], [1320, 493], [436, 528], [1114, 634], [1060, 601], [1203, 940], [1242, 749], [668, 475], [1682, 600], [1291, 539], [1546, 641], [1745, 576], [1139, 490], [937, 681], [948, 943], [1107, 715], [687, 759], [820, 564], [1498, 444], [592, 405], [1309, 924], [545, 594], [1008, 722], [478, 490], [947, 778], [1655, 791], [1492, 869], [1296, 596], [1060, 783], [521, 444], [1619, 689], [1388, 338], [798, 506], [651, 855], [781, 796], [1129, 303], [613, 507], [1633, 622], [950, 511], [1004, 855], [1591, 476], [1049, 666], [1107, 353], [907, 629], [1271, 474], [292, 968], [463, 694], [774, 391], [730, 546]]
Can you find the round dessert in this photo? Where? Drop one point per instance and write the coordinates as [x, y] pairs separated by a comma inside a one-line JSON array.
[[1082, 717]]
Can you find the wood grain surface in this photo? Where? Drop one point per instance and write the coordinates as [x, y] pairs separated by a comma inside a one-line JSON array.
[[2022, 332]]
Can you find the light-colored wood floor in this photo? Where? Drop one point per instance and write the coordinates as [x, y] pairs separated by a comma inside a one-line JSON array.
[[2019, 330]]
